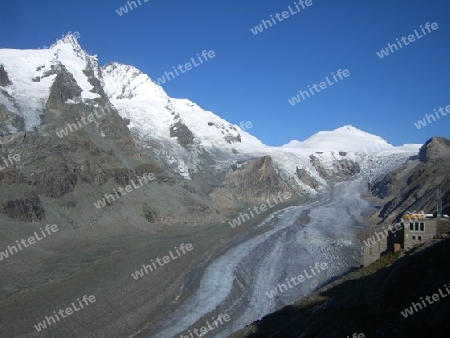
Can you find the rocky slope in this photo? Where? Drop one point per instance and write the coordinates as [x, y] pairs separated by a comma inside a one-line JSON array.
[[414, 186]]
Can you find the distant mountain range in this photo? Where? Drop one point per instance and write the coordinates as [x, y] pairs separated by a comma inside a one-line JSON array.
[[176, 131]]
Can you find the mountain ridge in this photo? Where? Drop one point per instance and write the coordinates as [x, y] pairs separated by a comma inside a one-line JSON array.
[[176, 131]]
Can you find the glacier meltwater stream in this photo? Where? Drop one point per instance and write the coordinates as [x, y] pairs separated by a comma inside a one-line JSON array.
[[237, 283]]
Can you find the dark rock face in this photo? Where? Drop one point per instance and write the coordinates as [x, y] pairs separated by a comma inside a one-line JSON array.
[[347, 167], [54, 181], [8, 118], [342, 169], [414, 186], [58, 114], [182, 133], [97, 86], [150, 214], [255, 181], [11, 177], [435, 149], [4, 79], [233, 139], [382, 188], [306, 178], [24, 209], [63, 88], [317, 165]]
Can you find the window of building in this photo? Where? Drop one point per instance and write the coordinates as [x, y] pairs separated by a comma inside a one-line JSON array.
[[416, 226], [419, 238], [411, 226], [422, 226], [414, 238]]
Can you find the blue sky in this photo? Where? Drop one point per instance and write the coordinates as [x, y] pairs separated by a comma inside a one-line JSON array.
[[253, 76]]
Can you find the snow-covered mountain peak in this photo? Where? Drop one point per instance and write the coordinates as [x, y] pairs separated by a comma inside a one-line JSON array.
[[152, 112], [68, 46], [33, 72], [68, 39], [128, 82], [347, 127], [346, 138]]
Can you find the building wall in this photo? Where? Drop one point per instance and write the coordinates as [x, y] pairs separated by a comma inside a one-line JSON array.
[[404, 238], [422, 230], [396, 237], [443, 226], [372, 253]]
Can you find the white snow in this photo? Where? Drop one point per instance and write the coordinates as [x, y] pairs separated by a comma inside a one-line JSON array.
[[22, 66], [211, 129], [137, 98], [346, 138]]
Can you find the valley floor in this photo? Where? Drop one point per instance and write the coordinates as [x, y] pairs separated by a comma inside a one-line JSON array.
[[229, 271], [237, 282]]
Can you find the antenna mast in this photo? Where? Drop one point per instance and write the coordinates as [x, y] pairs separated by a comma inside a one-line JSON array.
[[439, 203]]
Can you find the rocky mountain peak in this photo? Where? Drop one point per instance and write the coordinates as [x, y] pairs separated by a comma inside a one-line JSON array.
[[69, 39], [70, 42], [127, 82], [4, 79], [435, 149]]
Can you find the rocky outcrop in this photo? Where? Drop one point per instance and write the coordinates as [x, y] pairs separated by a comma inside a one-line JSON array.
[[26, 209], [341, 169], [8, 120], [4, 79], [53, 181], [150, 214], [255, 181], [315, 161], [182, 133], [233, 139], [347, 168], [306, 178], [11, 177], [413, 187], [435, 149], [382, 187], [63, 88]]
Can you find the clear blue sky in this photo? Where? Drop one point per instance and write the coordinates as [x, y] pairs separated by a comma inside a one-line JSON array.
[[252, 77]]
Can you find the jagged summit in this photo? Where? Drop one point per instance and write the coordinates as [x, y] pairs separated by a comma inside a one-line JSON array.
[[153, 114], [436, 148], [69, 39], [32, 74], [127, 82]]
